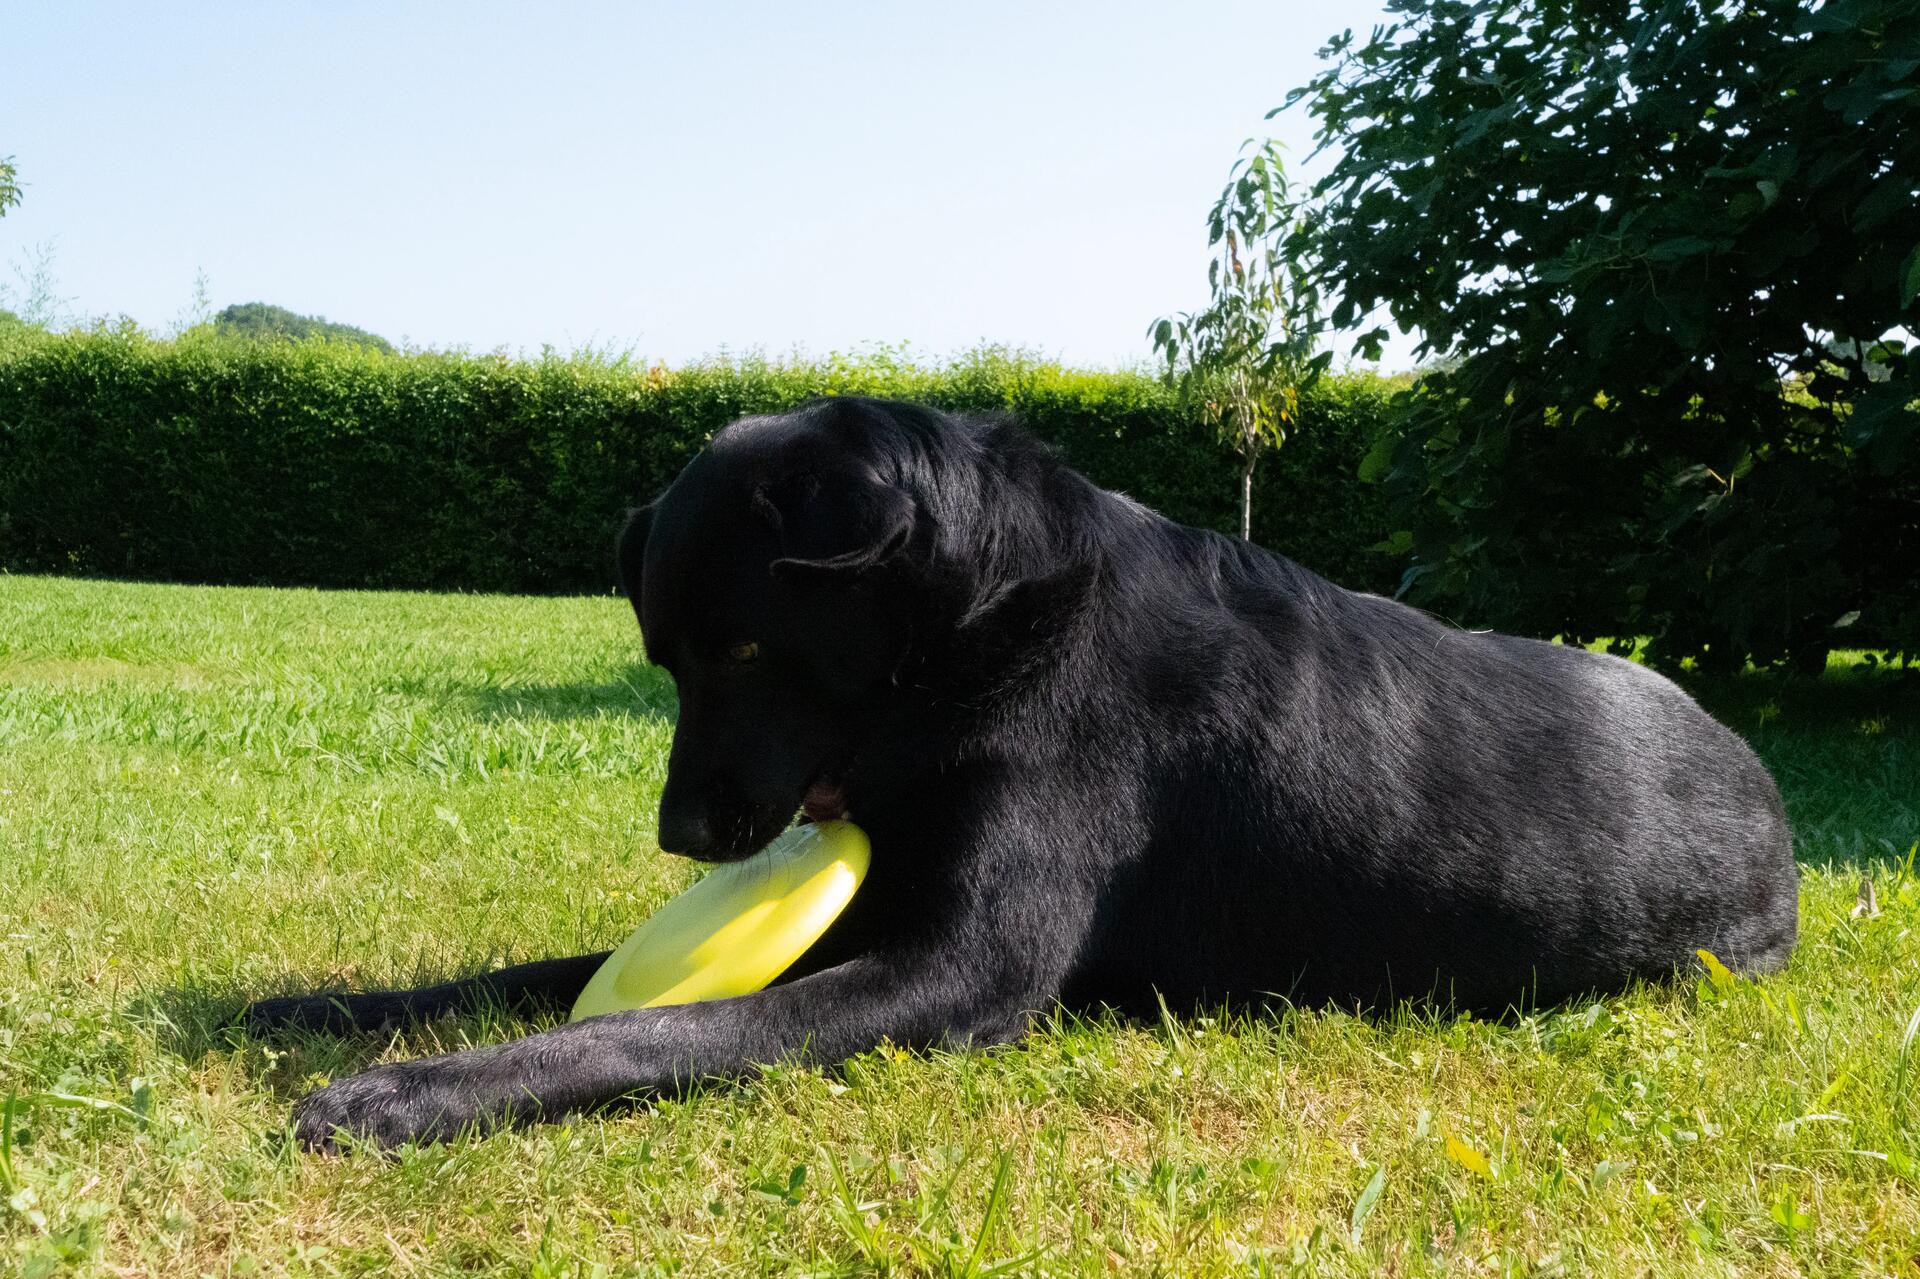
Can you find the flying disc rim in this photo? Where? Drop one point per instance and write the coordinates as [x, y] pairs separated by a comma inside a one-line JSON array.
[[786, 924]]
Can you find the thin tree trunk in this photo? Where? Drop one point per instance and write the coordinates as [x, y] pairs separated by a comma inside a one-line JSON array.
[[1246, 496]]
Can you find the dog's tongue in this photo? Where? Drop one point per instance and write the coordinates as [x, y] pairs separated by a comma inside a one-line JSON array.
[[824, 802]]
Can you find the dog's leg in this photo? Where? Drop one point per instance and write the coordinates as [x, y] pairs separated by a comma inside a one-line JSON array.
[[546, 984], [918, 1000]]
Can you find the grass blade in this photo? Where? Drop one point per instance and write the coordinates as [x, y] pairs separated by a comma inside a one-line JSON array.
[[1897, 1102], [1364, 1205]]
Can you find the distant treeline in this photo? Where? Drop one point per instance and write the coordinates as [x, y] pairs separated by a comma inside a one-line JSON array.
[[264, 321]]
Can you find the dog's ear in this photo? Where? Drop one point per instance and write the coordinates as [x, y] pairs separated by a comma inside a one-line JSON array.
[[1034, 606], [836, 526], [631, 554]]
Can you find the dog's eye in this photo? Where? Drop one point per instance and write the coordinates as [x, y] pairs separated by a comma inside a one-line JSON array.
[[745, 652]]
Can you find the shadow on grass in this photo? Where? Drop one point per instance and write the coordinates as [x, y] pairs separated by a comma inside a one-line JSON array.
[[1840, 701], [636, 690], [199, 1021], [191, 1021], [1845, 749]]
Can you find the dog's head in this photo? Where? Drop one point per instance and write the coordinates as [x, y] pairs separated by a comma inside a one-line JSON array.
[[774, 581]]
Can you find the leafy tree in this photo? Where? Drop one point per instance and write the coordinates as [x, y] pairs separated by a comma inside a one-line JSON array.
[[265, 322], [1245, 358], [1671, 255]]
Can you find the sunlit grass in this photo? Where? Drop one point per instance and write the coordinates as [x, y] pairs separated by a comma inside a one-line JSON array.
[[209, 795]]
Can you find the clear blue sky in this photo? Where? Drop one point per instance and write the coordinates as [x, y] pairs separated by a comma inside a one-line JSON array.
[[671, 178]]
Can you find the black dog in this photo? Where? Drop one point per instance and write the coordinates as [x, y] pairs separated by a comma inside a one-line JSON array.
[[1103, 758]]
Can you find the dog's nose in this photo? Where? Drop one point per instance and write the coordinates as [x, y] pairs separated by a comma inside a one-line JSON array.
[[684, 832]]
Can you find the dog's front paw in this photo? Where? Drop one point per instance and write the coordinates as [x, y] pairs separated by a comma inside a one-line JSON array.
[[428, 1100]]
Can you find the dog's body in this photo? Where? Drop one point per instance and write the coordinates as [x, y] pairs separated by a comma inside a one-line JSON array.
[[1104, 758]]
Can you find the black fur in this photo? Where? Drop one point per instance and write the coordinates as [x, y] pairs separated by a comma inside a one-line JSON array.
[[1104, 758]]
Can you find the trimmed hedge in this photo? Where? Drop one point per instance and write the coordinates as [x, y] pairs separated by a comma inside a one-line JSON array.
[[209, 459]]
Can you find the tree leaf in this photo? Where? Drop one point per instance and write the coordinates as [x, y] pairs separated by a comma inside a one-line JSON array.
[[1467, 1157], [1718, 973]]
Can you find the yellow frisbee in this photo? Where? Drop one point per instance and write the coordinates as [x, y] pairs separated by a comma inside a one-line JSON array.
[[738, 928]]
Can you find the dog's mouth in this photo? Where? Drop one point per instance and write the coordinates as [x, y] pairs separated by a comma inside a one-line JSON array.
[[825, 799]]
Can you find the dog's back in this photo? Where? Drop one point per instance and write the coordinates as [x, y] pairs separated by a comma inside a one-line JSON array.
[[1370, 804]]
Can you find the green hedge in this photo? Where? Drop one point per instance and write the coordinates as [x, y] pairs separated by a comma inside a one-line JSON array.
[[209, 459]]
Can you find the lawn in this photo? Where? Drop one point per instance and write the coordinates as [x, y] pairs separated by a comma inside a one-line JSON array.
[[207, 795]]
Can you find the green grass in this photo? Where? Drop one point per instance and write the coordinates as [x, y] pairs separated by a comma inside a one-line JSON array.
[[211, 795]]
